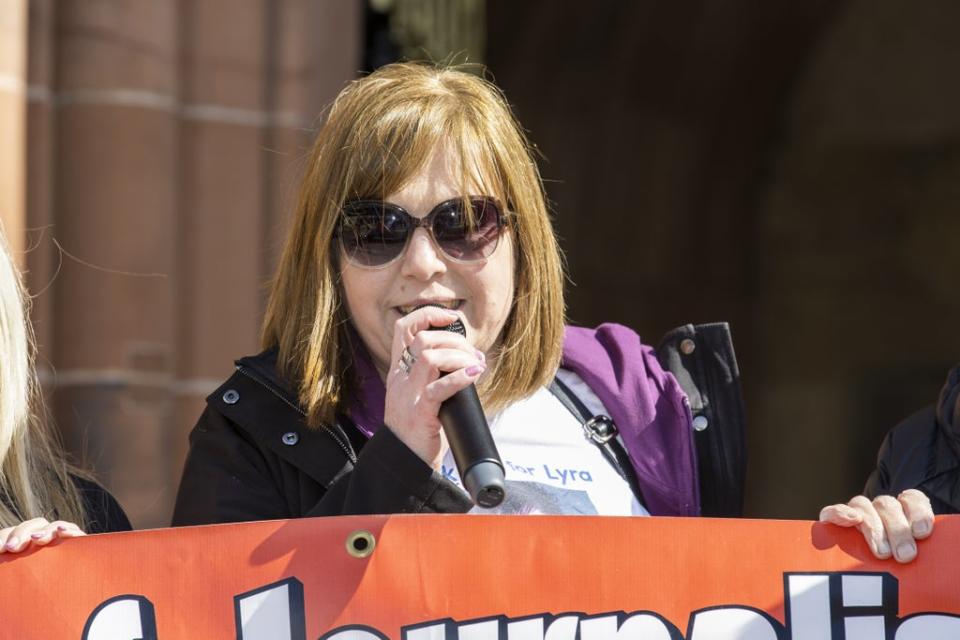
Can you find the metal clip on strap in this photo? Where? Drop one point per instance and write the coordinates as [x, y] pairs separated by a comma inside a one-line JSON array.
[[602, 431]]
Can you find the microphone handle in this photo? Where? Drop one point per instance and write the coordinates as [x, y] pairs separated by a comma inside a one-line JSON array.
[[471, 442], [474, 451]]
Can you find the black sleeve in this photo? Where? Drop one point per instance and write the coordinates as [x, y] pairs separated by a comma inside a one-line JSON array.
[[104, 513], [390, 478], [907, 455], [879, 481], [229, 478], [225, 478]]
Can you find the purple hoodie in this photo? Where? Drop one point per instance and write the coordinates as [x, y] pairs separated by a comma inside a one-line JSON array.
[[646, 402]]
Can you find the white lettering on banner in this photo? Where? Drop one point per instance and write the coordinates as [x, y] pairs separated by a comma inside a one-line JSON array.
[[646, 625], [479, 630], [853, 606], [533, 628], [864, 628], [818, 606], [809, 606], [862, 591], [432, 631], [272, 612], [126, 617], [354, 632], [562, 628], [530, 629], [729, 623], [929, 626]]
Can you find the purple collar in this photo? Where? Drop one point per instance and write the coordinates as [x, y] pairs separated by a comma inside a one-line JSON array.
[[645, 401], [366, 408], [650, 409]]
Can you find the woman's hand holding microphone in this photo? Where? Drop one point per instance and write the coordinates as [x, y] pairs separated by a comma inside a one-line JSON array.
[[428, 368]]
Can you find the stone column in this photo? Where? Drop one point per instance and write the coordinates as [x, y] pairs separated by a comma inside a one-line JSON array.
[[220, 166], [41, 260], [116, 182]]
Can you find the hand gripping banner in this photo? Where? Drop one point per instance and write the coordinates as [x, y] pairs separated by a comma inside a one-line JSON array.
[[449, 577]]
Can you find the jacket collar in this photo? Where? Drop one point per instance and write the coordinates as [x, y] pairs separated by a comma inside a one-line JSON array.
[[263, 405], [264, 365]]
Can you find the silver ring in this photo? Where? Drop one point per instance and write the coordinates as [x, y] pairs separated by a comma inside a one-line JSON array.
[[406, 360]]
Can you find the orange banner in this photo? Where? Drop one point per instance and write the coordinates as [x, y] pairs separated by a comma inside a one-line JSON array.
[[480, 578]]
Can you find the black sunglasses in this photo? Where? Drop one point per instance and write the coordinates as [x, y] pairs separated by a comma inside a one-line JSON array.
[[374, 233]]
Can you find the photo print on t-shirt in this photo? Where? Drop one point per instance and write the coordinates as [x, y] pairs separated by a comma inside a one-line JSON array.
[[530, 498]]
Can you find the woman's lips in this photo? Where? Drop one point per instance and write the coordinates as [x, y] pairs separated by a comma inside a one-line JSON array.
[[452, 305]]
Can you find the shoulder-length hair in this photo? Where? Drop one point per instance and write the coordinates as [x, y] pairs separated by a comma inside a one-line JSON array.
[[380, 131], [35, 481]]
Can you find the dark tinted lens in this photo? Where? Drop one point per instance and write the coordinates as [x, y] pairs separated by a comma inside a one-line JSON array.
[[373, 233], [468, 235]]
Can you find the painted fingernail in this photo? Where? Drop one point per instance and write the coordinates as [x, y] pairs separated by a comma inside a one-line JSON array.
[[36, 535], [475, 370], [883, 548], [13, 543], [906, 551], [480, 355], [61, 527], [921, 528]]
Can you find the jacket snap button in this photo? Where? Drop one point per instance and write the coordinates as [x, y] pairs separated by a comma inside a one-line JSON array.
[[687, 346], [231, 396], [290, 438], [700, 423]]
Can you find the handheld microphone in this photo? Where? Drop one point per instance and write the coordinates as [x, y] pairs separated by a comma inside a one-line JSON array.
[[471, 442]]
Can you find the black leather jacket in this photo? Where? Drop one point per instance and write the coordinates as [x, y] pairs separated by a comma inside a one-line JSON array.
[[923, 452], [253, 458]]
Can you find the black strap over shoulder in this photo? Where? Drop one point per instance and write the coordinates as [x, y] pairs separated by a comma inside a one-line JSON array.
[[601, 431]]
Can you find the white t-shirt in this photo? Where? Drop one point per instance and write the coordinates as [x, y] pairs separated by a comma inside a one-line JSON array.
[[550, 465]]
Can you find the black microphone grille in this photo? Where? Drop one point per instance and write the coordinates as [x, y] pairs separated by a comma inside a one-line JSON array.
[[456, 326]]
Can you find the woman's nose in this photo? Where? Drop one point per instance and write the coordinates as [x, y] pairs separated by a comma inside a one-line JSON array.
[[422, 259]]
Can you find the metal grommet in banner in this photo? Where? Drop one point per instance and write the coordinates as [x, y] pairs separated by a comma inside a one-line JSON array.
[[361, 544]]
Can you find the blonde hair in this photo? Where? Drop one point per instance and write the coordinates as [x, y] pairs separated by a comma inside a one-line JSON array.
[[380, 131], [35, 481]]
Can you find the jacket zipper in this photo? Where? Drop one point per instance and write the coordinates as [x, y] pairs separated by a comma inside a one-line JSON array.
[[347, 449]]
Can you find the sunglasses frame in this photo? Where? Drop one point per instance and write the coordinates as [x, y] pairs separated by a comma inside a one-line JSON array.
[[426, 222]]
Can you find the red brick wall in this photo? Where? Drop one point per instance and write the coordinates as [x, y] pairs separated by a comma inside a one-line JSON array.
[[166, 140]]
